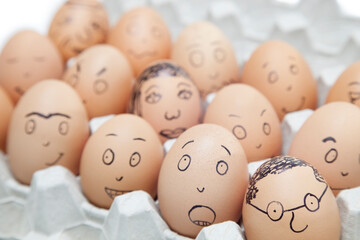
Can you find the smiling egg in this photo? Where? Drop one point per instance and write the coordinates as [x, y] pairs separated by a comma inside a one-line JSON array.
[[49, 126], [281, 73]]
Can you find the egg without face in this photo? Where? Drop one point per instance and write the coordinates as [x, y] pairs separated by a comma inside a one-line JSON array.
[[6, 109]]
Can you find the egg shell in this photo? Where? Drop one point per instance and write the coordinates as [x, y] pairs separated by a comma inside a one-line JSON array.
[[123, 155], [142, 35], [281, 73], [347, 86], [77, 25], [251, 118], [6, 109], [103, 78], [288, 199], [26, 59], [329, 141], [204, 51], [49, 126], [166, 97], [202, 180]]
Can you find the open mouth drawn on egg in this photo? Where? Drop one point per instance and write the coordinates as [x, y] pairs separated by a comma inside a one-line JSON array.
[[56, 161], [202, 215], [112, 193], [302, 103], [168, 133]]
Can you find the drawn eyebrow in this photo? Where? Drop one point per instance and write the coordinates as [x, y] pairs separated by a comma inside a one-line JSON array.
[[353, 83], [152, 86], [47, 116], [182, 83], [191, 141], [262, 112], [265, 65], [329, 139], [111, 134], [141, 139], [192, 46], [78, 68], [101, 71], [234, 115], [226, 149]]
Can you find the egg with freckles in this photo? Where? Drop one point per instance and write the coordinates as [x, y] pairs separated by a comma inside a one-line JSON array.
[[26, 59], [281, 73], [6, 109], [251, 118], [166, 97], [142, 35], [49, 126], [202, 180], [204, 51], [329, 141], [347, 86], [123, 155], [103, 78], [287, 198], [77, 25]]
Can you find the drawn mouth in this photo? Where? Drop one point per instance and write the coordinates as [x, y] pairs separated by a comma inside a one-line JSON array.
[[302, 103], [112, 193], [58, 159], [201, 189], [168, 133], [344, 174], [142, 54], [291, 226], [77, 50], [259, 146], [202, 215], [354, 96]]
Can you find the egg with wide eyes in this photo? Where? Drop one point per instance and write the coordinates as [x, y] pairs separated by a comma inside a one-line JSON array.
[[103, 78], [202, 180], [166, 97], [123, 155], [204, 51], [287, 198], [49, 126], [142, 35], [26, 59], [77, 25], [6, 109], [328, 140], [281, 73], [347, 86], [251, 118]]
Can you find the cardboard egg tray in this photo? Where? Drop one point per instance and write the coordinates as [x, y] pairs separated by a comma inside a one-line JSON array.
[[54, 207]]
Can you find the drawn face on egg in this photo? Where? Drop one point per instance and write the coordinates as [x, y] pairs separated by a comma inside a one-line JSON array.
[[280, 72], [289, 199], [202, 180], [165, 96], [49, 127], [245, 112], [78, 25], [123, 155], [206, 54], [326, 140]]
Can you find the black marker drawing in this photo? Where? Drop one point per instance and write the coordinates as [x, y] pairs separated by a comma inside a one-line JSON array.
[[184, 162], [170, 117], [108, 156], [273, 76], [47, 116], [200, 191], [169, 133], [56, 160], [222, 167], [192, 214], [135, 159], [300, 106], [119, 179], [239, 132], [112, 193]]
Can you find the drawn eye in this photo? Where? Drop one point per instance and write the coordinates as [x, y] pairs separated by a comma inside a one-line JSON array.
[[185, 94], [100, 86], [219, 54], [135, 159], [222, 167], [239, 132], [184, 162], [273, 77], [153, 97], [108, 156], [311, 202], [63, 128], [156, 32], [294, 69], [275, 210], [95, 26], [30, 126], [73, 80], [331, 155], [266, 128], [196, 58]]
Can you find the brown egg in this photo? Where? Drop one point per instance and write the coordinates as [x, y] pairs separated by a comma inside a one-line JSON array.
[[77, 25], [26, 59], [6, 109], [347, 86], [202, 180], [103, 78], [329, 141], [207, 55], [281, 73], [288, 199], [142, 35], [49, 126], [123, 155], [250, 117], [166, 97]]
